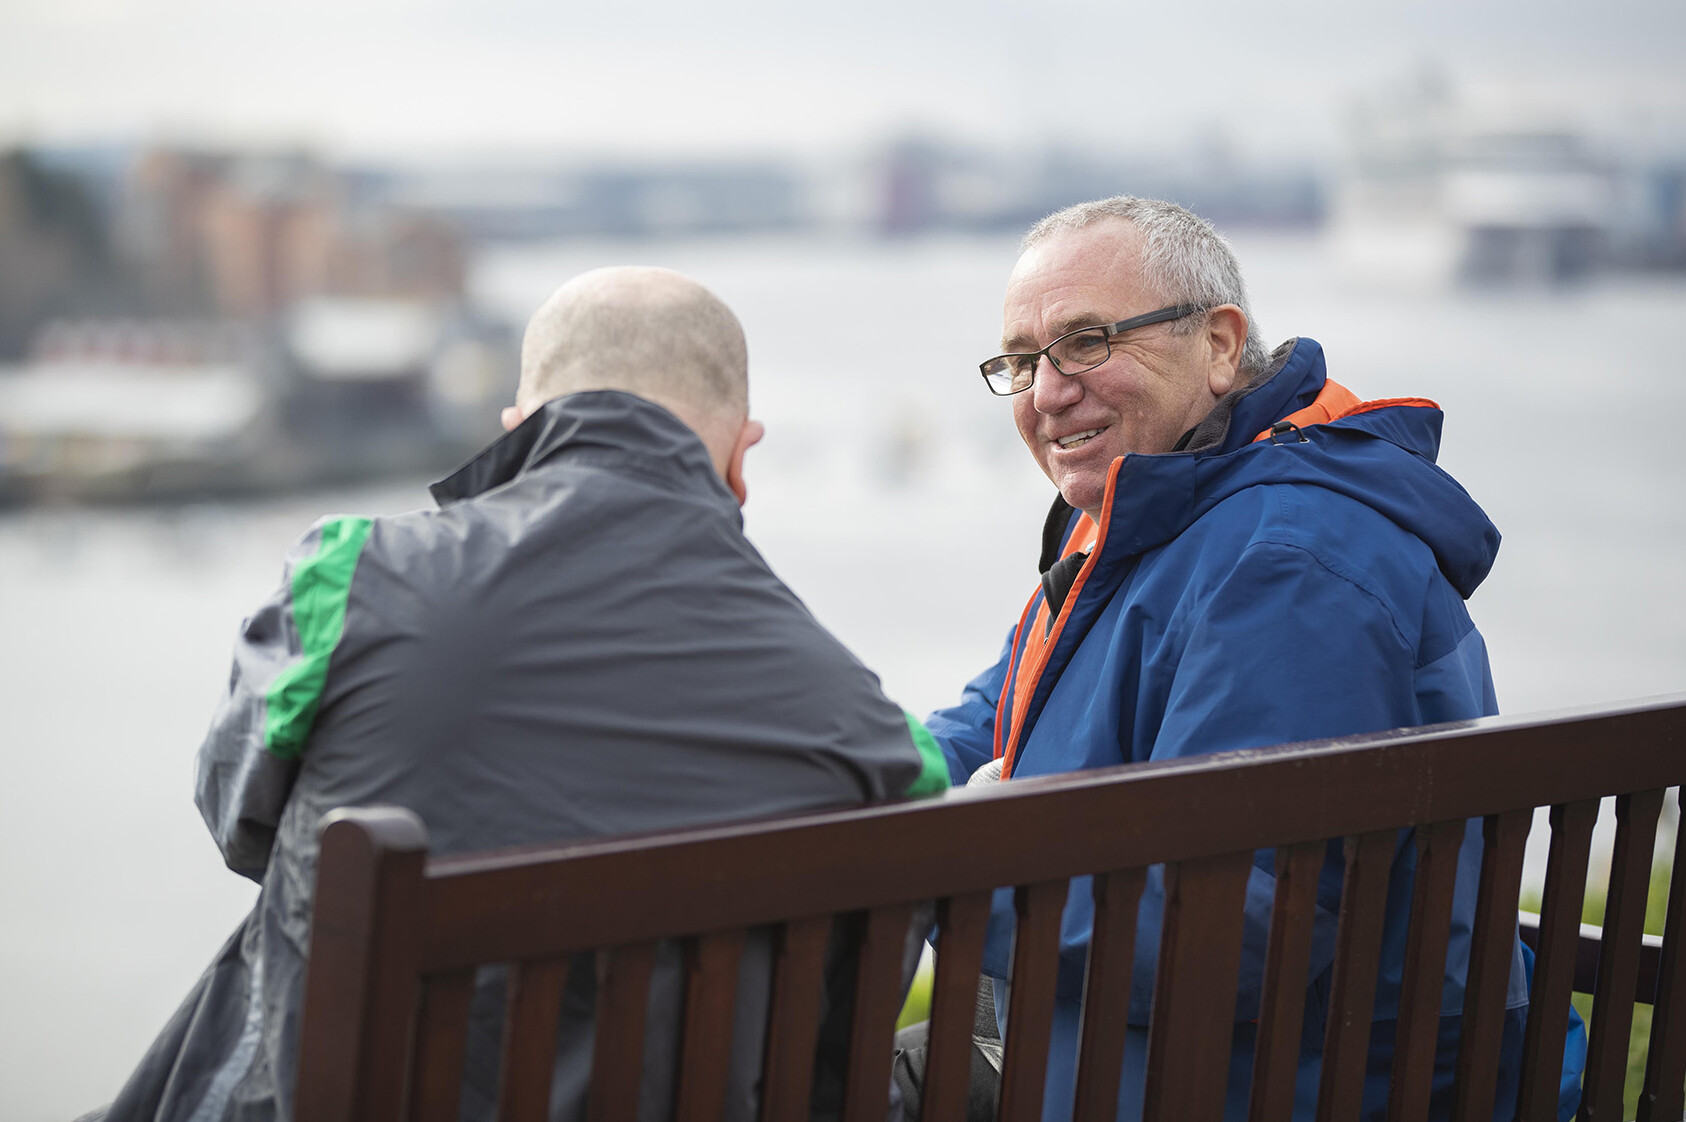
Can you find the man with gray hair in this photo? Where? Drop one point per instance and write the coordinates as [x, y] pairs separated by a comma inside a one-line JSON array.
[[1241, 553], [579, 642]]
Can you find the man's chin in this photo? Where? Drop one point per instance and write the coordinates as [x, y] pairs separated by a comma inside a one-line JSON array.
[[1084, 494], [1081, 479]]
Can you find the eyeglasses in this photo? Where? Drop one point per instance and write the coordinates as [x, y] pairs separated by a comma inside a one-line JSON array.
[[1072, 353]]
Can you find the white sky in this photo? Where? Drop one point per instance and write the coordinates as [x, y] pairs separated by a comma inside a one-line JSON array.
[[392, 77]]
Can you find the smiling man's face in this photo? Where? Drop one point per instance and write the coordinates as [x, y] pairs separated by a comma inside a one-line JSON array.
[[1155, 386]]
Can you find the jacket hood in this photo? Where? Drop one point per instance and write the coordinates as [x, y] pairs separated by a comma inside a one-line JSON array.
[[1383, 457], [609, 427]]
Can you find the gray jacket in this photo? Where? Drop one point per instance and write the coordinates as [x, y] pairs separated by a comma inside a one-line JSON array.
[[579, 642]]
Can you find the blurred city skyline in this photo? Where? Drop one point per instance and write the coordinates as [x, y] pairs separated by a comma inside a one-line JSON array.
[[233, 236], [419, 79]]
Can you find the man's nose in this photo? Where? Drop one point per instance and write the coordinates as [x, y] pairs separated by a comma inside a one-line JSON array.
[[1050, 390]]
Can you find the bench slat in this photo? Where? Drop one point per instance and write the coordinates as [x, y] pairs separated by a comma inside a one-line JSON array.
[[1424, 975], [1287, 962], [1665, 1069], [441, 1044], [878, 997], [531, 1009], [1618, 960], [525, 904], [1106, 994], [1492, 943], [1554, 971], [711, 990], [1036, 940], [794, 1019], [1193, 1020], [617, 1055], [1352, 992], [354, 1062], [962, 921]]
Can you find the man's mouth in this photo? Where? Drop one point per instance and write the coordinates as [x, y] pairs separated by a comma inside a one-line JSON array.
[[1078, 439]]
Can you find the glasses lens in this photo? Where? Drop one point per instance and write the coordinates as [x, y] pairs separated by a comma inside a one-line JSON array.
[[1080, 351], [1010, 373]]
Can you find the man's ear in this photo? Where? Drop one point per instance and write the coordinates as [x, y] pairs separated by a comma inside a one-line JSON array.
[[512, 418], [748, 437], [1226, 335]]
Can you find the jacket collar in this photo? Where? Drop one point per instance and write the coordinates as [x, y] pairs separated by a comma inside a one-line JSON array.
[[1136, 511], [1153, 498], [1292, 380], [610, 428]]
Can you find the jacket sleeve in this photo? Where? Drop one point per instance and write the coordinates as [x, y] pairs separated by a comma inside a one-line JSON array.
[[251, 753], [966, 731], [1281, 648]]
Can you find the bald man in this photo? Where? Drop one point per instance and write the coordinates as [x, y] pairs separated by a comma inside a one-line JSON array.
[[650, 332], [578, 642]]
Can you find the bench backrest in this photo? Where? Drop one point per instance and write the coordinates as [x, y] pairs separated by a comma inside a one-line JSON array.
[[396, 937]]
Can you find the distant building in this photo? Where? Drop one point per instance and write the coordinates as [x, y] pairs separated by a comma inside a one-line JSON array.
[[250, 235], [268, 326], [338, 388], [54, 253], [159, 228], [609, 199], [923, 184], [1436, 190]]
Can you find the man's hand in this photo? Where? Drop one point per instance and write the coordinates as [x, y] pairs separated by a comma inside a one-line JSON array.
[[989, 773]]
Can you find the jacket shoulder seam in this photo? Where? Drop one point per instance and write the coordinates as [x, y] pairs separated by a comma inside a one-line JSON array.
[[1344, 577]]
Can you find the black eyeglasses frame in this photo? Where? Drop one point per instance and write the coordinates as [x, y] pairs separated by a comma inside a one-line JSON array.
[[1111, 330]]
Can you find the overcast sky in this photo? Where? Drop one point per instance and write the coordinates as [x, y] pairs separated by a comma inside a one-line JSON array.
[[384, 77]]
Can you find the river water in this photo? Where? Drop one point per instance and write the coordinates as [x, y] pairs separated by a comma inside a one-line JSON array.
[[891, 492]]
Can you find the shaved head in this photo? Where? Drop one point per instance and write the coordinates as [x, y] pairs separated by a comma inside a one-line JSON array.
[[647, 331]]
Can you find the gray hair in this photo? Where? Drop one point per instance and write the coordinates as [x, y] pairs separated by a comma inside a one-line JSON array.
[[1182, 255]]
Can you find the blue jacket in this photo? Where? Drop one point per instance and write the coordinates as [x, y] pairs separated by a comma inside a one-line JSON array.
[[1250, 592]]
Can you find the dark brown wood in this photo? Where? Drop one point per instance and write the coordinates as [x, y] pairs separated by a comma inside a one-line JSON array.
[[705, 1053], [441, 1043], [529, 1038], [1492, 942], [1352, 993], [1424, 975], [617, 1058], [1554, 970], [878, 998], [1106, 994], [961, 922], [520, 905], [1618, 964], [1036, 943], [1193, 1021], [361, 990], [1587, 952], [794, 1020], [484, 909], [1665, 1068], [1287, 965]]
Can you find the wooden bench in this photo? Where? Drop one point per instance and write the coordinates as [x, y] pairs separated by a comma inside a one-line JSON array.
[[396, 936]]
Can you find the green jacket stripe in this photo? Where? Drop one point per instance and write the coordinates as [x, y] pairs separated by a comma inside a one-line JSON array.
[[933, 772], [320, 587]]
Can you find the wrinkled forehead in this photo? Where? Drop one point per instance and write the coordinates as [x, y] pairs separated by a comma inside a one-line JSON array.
[[1075, 278]]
